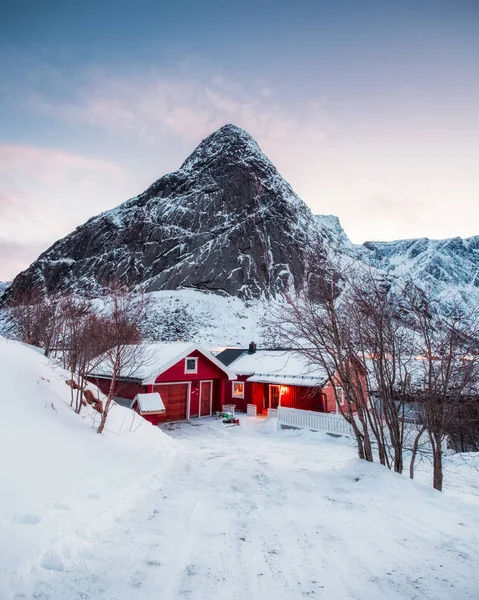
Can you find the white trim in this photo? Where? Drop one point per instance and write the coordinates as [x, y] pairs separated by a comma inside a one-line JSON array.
[[187, 371], [188, 393], [233, 395], [210, 381], [151, 380]]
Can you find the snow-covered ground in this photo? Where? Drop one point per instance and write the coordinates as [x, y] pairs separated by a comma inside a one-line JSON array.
[[60, 482], [252, 513], [210, 511]]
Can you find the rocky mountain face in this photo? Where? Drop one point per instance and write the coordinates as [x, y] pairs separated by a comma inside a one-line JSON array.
[[226, 221]]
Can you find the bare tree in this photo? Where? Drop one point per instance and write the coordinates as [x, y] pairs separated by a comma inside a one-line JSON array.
[[122, 337], [37, 319], [318, 324], [447, 374], [83, 342], [354, 324]]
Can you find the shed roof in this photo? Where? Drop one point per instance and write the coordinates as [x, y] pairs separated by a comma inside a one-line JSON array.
[[287, 367], [148, 361], [149, 402]]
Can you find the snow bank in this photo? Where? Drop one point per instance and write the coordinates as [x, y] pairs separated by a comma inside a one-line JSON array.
[[61, 482]]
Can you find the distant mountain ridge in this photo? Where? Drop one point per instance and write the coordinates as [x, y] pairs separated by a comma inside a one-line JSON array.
[[227, 222], [449, 266]]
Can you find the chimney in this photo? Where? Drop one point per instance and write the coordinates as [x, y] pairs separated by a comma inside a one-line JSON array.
[[252, 348]]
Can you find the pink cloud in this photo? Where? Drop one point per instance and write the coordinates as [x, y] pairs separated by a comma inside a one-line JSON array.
[[148, 105], [50, 165], [44, 194]]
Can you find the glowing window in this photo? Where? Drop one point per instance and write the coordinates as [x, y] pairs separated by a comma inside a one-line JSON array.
[[238, 389]]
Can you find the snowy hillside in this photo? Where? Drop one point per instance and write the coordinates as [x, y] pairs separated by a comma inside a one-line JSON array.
[[61, 482], [206, 319]]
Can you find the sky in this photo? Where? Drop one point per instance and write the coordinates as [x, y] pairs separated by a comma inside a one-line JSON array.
[[368, 108]]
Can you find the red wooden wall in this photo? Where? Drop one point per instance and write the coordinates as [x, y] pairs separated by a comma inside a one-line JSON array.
[[304, 398], [206, 370]]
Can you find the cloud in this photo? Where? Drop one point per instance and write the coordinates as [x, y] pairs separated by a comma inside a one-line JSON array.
[[49, 165], [150, 104]]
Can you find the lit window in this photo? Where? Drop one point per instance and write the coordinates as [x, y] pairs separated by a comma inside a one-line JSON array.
[[238, 389], [191, 365]]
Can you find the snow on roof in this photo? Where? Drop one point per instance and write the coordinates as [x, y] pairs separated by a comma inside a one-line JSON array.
[[285, 380], [149, 402], [150, 360], [288, 367]]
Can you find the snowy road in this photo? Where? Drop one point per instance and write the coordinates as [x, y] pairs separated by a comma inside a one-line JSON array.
[[249, 513]]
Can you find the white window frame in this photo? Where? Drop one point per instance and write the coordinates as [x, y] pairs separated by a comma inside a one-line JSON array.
[[233, 383], [340, 393], [195, 370]]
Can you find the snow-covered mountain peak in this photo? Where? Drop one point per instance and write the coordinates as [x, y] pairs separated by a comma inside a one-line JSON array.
[[227, 142], [225, 221]]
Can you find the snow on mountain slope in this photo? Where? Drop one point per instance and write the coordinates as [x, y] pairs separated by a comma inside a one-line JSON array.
[[204, 318], [61, 482], [449, 266]]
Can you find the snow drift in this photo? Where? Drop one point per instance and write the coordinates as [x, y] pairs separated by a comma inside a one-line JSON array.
[[61, 482]]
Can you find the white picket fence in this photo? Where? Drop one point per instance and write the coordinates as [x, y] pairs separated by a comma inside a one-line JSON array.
[[315, 421]]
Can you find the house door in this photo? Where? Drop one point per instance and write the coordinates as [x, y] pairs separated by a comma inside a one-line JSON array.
[[273, 396], [206, 397]]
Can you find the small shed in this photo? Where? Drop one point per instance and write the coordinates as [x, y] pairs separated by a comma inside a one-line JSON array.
[[150, 407]]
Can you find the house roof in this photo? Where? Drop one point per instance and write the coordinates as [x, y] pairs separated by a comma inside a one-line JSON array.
[[287, 367], [151, 360], [228, 355], [149, 402]]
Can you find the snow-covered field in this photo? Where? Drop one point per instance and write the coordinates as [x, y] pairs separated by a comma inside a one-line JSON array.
[[213, 511]]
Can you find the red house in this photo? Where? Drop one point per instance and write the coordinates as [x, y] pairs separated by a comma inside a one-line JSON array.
[[191, 382], [272, 378]]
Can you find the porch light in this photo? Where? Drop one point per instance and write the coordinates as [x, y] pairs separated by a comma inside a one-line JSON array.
[[283, 389]]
